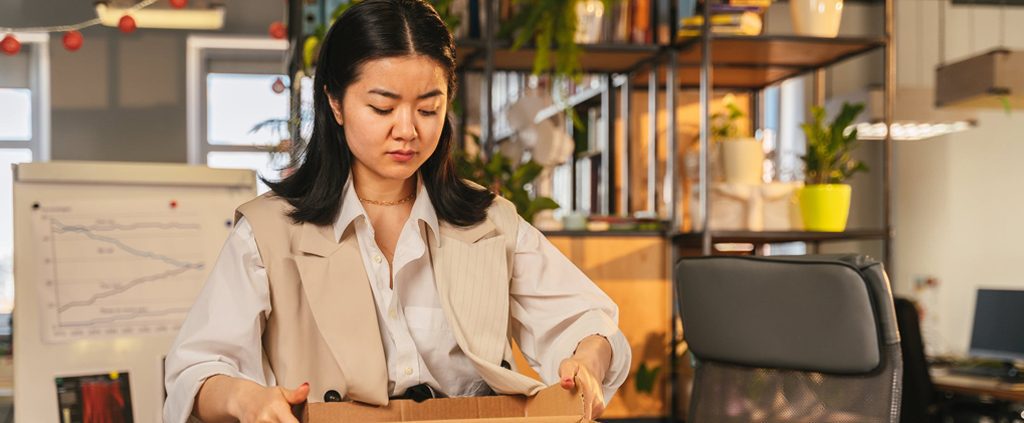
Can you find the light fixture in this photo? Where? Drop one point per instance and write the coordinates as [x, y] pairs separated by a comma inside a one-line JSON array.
[[994, 79], [209, 17], [915, 116], [990, 80]]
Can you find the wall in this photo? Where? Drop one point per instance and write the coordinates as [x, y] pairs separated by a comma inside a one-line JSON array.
[[122, 97], [957, 199]]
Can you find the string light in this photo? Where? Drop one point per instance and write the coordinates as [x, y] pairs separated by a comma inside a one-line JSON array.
[[74, 27], [72, 35]]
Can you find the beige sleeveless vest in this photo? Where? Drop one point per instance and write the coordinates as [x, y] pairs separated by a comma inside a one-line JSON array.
[[323, 325]]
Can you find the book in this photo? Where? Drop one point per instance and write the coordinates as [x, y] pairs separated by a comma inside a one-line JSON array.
[[641, 33], [759, 3], [746, 23]]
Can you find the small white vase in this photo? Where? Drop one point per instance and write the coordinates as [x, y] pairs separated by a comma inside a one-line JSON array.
[[816, 18], [742, 161]]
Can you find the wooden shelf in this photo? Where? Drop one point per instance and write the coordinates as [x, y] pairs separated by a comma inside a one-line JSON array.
[[608, 233], [768, 237], [739, 62], [754, 62], [596, 58], [466, 51]]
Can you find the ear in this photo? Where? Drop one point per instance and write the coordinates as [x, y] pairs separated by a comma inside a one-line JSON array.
[[335, 107]]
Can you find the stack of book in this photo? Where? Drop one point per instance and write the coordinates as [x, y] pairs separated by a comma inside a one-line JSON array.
[[735, 17]]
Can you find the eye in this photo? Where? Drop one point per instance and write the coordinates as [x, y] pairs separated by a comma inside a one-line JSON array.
[[382, 112], [428, 112]]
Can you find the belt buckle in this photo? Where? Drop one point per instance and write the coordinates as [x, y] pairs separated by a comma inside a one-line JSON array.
[[420, 393]]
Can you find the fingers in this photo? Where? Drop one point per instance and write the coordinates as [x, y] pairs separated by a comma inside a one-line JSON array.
[[286, 417], [588, 405], [597, 411], [296, 396], [567, 372]]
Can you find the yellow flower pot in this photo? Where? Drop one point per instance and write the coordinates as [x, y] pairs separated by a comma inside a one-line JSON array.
[[825, 207]]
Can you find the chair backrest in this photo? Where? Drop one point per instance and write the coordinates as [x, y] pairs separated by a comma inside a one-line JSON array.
[[790, 339], [918, 392]]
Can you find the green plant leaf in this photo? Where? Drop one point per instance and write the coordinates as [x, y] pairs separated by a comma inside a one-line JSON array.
[[828, 158], [538, 205], [526, 173], [1007, 105], [645, 378]]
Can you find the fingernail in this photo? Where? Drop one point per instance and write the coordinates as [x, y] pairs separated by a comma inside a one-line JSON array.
[[305, 384]]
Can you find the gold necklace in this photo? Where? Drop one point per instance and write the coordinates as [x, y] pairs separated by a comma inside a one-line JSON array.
[[388, 203]]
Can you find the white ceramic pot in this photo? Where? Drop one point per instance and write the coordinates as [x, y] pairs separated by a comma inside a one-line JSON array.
[[816, 18], [742, 161]]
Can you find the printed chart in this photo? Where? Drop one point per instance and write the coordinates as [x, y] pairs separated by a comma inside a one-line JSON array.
[[135, 271]]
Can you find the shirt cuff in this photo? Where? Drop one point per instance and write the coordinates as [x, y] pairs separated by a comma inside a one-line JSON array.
[[594, 322], [181, 398], [622, 355]]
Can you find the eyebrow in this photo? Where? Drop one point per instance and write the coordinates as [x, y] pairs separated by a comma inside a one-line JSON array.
[[392, 95]]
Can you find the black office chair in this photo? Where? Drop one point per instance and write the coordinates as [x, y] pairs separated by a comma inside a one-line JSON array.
[[790, 339], [918, 393]]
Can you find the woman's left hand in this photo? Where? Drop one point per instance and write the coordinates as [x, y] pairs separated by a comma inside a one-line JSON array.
[[585, 370]]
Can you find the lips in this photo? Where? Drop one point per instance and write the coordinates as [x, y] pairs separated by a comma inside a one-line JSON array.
[[401, 155]]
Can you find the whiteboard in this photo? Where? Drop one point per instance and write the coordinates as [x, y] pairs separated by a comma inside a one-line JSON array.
[[108, 259]]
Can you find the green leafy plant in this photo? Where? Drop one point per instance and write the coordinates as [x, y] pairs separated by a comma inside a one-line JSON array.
[[829, 158], [725, 125], [645, 377], [551, 25], [498, 175]]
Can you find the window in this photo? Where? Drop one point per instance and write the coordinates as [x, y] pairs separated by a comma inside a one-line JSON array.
[[238, 104], [24, 137]]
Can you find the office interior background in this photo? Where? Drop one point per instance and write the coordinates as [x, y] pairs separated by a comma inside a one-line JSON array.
[[946, 219]]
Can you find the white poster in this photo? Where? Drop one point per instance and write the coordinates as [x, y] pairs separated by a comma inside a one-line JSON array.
[[120, 268]]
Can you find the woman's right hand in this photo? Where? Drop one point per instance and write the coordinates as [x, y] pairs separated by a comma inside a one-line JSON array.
[[270, 404], [228, 399]]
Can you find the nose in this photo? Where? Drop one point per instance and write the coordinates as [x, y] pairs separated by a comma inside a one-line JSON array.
[[405, 125]]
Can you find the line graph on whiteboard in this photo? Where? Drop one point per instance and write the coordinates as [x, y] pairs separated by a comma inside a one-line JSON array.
[[134, 271]]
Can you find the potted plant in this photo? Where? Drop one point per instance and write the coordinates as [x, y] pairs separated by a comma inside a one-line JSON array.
[[512, 182], [829, 162], [552, 27], [742, 156]]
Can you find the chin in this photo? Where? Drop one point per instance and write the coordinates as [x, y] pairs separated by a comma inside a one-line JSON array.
[[398, 172]]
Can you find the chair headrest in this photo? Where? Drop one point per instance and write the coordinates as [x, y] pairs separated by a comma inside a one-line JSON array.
[[828, 314]]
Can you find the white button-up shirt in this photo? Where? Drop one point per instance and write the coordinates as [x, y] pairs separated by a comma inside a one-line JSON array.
[[547, 291]]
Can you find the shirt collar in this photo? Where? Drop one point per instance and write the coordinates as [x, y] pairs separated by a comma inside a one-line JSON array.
[[352, 208]]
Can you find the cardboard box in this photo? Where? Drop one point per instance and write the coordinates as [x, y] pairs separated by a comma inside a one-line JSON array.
[[552, 405]]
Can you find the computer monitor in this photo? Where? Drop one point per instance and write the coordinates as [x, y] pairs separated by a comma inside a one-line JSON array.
[[998, 325]]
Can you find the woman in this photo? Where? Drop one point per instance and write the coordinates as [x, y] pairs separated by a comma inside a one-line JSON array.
[[373, 272]]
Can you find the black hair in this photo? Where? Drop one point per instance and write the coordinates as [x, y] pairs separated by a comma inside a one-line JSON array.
[[369, 30]]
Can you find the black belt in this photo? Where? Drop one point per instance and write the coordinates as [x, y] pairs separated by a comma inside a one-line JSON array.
[[418, 393]]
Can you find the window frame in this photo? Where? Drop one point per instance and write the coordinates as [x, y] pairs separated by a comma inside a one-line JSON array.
[[39, 86], [199, 50], [38, 143]]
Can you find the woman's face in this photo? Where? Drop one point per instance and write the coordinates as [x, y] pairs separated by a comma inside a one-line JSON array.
[[393, 115]]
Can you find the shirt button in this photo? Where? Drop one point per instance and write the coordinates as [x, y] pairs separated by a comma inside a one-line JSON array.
[[393, 313], [408, 371], [377, 259]]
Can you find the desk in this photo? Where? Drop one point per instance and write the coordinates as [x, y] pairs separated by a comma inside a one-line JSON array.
[[980, 387]]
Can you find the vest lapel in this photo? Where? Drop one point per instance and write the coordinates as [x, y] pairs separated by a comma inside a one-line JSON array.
[[471, 273], [340, 299]]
